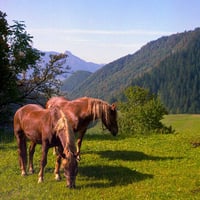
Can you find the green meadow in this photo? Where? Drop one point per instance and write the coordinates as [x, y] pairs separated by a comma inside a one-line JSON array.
[[152, 166]]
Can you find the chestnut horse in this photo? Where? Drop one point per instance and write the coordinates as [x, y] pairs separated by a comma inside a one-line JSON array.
[[50, 128], [80, 112]]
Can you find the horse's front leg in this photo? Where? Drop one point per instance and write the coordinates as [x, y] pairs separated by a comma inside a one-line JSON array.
[[43, 162], [31, 153], [59, 152], [79, 143]]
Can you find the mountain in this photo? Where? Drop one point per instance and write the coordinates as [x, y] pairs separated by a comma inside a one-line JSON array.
[[75, 80], [177, 78], [75, 63], [168, 66]]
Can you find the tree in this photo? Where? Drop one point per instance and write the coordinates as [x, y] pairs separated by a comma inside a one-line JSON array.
[[23, 75], [142, 112], [43, 81], [7, 78]]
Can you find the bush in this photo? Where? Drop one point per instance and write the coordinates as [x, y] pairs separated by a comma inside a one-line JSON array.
[[141, 112]]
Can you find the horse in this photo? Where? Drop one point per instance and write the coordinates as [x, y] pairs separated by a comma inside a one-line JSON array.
[[80, 112], [50, 128]]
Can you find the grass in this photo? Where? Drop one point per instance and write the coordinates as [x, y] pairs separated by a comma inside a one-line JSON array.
[[141, 167]]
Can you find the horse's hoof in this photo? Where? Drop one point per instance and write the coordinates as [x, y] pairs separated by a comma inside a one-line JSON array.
[[78, 157], [71, 186], [23, 174], [31, 171], [57, 177], [40, 180]]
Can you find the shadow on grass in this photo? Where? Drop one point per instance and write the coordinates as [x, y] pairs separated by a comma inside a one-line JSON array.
[[108, 176], [132, 156]]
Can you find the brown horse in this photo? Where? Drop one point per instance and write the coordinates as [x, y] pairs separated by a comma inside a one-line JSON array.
[[50, 128], [82, 111]]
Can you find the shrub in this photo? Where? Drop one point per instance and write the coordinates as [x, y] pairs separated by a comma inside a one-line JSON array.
[[141, 112]]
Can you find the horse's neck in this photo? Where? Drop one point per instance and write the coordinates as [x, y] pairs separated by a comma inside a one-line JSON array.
[[84, 110], [81, 110], [96, 109]]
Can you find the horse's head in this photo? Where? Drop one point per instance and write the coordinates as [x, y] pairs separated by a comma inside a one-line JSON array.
[[109, 119], [67, 138], [70, 165]]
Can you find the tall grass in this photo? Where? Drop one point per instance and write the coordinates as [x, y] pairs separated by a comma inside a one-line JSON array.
[[140, 167]]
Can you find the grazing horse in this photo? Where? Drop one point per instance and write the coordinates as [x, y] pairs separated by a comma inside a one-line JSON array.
[[50, 128], [80, 112]]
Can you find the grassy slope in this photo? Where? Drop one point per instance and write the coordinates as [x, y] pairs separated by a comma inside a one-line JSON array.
[[153, 167]]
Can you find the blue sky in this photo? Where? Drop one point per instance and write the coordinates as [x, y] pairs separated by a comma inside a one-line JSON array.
[[101, 30]]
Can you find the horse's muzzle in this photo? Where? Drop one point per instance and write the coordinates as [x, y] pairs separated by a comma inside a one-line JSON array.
[[71, 182], [114, 131]]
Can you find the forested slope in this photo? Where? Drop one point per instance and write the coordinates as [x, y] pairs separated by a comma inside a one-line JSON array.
[[74, 80], [177, 79], [168, 66]]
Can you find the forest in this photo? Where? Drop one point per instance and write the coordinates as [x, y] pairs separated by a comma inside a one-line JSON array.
[[176, 79]]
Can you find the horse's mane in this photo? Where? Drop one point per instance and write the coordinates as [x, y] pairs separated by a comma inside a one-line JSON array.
[[98, 107], [62, 124]]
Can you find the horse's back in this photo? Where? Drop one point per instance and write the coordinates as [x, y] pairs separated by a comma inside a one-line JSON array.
[[23, 112], [28, 108]]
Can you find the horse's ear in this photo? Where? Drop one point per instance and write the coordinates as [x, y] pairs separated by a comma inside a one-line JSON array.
[[113, 106]]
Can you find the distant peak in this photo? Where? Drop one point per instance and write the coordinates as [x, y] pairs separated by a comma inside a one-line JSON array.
[[68, 52]]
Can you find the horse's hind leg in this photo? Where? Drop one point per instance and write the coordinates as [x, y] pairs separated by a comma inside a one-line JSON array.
[[21, 141], [31, 153], [43, 163]]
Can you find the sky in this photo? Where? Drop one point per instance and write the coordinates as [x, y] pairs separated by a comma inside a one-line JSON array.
[[101, 31]]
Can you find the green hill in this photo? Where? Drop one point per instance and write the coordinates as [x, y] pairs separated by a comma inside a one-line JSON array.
[[169, 66], [75, 80]]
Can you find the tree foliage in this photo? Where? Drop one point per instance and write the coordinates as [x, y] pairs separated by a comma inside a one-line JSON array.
[[23, 75], [141, 112], [7, 77]]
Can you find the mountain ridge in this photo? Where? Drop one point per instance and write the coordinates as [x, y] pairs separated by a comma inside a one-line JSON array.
[[110, 80], [132, 65], [74, 62]]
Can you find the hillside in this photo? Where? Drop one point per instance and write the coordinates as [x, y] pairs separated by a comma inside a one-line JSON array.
[[178, 51], [177, 78], [75, 80]]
